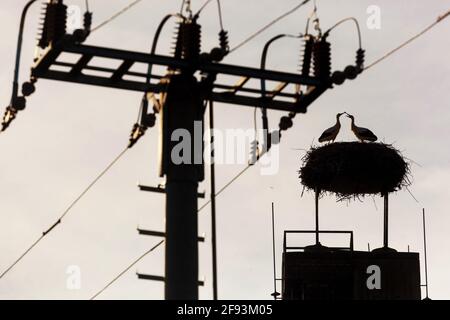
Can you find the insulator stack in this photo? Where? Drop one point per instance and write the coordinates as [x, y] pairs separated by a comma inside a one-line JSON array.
[[223, 40], [322, 59], [177, 42], [54, 24], [87, 21], [307, 55], [191, 40], [360, 58]]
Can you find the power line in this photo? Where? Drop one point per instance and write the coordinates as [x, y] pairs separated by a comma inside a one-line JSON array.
[[267, 26], [74, 202], [227, 185], [116, 15], [162, 241], [242, 172], [439, 19], [126, 269]]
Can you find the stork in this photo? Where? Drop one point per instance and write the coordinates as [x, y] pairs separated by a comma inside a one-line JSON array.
[[331, 133], [363, 134]]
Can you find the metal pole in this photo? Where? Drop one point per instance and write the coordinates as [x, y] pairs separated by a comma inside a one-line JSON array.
[[213, 202], [181, 109], [317, 217], [425, 252], [386, 220], [275, 293]]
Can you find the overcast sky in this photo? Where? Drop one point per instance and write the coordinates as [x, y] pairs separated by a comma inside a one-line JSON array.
[[69, 133]]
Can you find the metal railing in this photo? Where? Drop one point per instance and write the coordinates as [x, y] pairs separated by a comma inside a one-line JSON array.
[[287, 232]]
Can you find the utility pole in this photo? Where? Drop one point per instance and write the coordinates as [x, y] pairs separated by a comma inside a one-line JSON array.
[[181, 110]]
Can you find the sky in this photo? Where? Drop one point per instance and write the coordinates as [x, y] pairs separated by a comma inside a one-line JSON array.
[[69, 133]]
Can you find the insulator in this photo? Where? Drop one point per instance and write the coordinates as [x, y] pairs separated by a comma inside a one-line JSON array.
[[177, 45], [188, 41], [285, 123], [351, 72], [224, 41], [19, 103], [28, 88], [322, 59], [136, 133], [8, 117], [254, 152], [216, 54], [307, 56], [338, 77], [191, 40], [149, 120], [360, 58], [54, 27], [87, 21]]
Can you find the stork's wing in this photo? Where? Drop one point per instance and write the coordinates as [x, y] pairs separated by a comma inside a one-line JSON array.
[[327, 134], [367, 134]]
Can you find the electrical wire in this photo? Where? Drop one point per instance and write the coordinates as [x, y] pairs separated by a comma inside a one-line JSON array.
[[45, 233], [203, 7], [226, 186], [219, 8], [74, 202], [242, 172], [126, 269], [358, 29], [439, 19], [267, 26], [116, 15], [182, 6]]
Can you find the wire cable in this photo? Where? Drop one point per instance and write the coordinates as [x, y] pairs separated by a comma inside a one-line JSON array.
[[358, 29], [439, 19], [116, 15], [219, 8], [74, 202], [270, 24], [126, 270], [226, 186]]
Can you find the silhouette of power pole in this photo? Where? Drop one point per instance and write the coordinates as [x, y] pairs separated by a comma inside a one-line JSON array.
[[191, 80]]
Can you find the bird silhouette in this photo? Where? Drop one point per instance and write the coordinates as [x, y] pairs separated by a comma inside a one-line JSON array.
[[331, 133], [363, 134]]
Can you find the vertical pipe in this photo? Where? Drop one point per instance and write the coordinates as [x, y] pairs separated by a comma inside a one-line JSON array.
[[386, 220], [317, 217], [274, 257], [213, 202], [425, 252]]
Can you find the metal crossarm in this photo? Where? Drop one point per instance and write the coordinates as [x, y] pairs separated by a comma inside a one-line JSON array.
[[244, 92]]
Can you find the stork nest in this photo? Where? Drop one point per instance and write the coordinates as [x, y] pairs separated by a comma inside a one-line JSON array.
[[354, 169]]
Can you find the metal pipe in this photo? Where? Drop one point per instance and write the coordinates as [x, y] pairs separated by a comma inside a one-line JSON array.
[[386, 220], [425, 252], [317, 216], [213, 202], [274, 256]]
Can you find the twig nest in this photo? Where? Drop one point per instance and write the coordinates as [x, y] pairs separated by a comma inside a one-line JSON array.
[[352, 169]]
